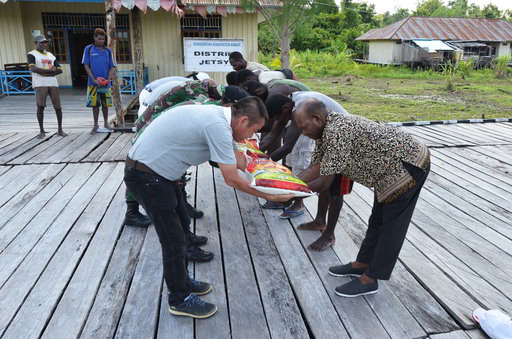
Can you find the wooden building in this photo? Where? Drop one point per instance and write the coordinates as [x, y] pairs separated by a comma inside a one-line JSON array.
[[69, 26], [393, 44]]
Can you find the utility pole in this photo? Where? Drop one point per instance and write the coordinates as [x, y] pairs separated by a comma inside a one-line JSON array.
[[111, 39]]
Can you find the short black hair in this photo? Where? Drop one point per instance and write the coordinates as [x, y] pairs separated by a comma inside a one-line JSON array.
[[99, 31], [235, 56], [275, 103], [244, 75], [252, 86], [233, 94], [231, 78], [253, 108]]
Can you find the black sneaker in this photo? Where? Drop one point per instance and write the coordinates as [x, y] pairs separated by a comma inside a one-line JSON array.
[[346, 270], [198, 287], [192, 212], [196, 254], [198, 240], [354, 288], [194, 307]]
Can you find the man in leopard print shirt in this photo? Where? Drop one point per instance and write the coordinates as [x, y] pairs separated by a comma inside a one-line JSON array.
[[380, 156]]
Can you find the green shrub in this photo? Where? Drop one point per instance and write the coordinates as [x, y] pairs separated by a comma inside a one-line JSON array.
[[500, 69], [338, 62], [465, 67]]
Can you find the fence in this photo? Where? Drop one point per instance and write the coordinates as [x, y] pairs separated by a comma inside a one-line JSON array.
[[16, 82], [20, 82]]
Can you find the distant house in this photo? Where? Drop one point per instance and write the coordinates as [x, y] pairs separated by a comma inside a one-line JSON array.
[[433, 40], [69, 26]]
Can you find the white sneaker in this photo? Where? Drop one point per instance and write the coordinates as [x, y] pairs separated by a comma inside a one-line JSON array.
[[104, 130]]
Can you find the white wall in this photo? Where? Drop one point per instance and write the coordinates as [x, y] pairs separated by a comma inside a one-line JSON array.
[[382, 51], [12, 41], [503, 49], [397, 52]]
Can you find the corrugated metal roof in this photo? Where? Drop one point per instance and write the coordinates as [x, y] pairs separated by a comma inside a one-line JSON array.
[[467, 29], [264, 3], [433, 46]]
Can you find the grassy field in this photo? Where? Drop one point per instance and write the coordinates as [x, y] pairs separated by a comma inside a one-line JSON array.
[[400, 93], [414, 99]]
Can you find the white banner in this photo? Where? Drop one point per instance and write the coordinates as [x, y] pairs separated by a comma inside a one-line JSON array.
[[210, 55]]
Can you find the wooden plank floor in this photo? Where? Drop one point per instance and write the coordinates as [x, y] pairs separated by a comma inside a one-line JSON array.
[[18, 112], [70, 269]]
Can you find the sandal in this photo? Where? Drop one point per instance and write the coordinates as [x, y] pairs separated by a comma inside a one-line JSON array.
[[273, 205], [287, 214]]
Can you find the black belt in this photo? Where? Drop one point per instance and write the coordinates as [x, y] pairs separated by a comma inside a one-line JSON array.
[[139, 166]]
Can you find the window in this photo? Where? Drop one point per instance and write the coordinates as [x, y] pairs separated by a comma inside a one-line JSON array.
[[195, 26], [123, 48], [57, 24], [57, 44]]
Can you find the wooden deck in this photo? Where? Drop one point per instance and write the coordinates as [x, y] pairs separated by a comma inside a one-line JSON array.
[[18, 112], [68, 267]]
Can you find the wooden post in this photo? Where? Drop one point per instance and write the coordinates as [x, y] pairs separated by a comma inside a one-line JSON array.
[[111, 36], [138, 51]]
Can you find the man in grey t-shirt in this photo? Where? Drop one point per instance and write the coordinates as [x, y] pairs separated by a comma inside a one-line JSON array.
[[183, 137]]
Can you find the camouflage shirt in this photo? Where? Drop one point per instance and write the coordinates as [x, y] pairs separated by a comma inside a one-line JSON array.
[[190, 92], [369, 153]]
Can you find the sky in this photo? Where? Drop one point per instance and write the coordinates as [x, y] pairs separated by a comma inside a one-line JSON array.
[[382, 6]]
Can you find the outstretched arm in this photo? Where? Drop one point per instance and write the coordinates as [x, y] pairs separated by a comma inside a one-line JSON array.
[[273, 136], [289, 140]]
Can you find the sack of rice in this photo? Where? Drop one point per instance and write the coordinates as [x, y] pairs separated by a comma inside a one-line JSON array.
[[279, 183], [266, 165]]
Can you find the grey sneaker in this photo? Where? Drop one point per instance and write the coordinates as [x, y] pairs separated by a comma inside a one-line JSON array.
[[194, 307], [346, 271], [354, 288]]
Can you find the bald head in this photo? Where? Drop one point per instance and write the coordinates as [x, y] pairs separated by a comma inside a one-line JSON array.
[[312, 106], [310, 118]]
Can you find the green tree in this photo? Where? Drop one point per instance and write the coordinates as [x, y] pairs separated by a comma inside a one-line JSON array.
[[323, 6], [474, 11], [400, 14], [508, 15], [460, 7], [318, 32], [367, 13], [428, 7], [283, 22], [491, 11], [350, 13], [267, 40]]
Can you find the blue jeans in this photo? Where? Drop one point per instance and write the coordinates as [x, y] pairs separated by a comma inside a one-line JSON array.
[[163, 201]]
